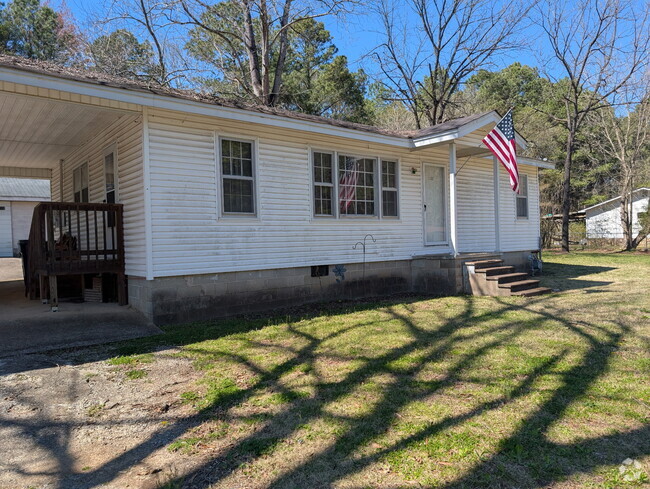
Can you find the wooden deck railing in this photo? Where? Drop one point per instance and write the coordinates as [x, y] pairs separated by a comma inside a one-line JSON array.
[[74, 238]]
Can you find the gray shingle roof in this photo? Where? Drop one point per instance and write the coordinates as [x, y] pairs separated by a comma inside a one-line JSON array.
[[98, 78], [24, 189]]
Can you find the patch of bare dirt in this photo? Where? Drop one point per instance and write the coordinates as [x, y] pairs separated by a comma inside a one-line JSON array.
[[73, 424]]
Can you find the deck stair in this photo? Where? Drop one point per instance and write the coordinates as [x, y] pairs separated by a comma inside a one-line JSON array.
[[492, 277]]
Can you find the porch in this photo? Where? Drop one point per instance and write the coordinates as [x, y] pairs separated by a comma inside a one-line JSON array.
[[79, 241]]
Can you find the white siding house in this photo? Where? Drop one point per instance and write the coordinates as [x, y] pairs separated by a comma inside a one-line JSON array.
[[231, 208], [18, 197], [603, 221]]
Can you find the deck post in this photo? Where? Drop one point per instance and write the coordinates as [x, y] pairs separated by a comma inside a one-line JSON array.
[[42, 287], [453, 232], [54, 293]]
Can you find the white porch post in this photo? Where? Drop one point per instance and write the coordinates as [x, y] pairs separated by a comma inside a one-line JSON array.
[[453, 234], [497, 220]]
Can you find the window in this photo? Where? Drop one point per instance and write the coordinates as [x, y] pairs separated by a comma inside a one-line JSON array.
[[80, 183], [323, 184], [237, 179], [356, 186], [109, 178], [522, 197], [389, 189], [346, 185], [110, 184]]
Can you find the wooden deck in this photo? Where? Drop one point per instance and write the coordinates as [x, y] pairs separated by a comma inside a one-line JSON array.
[[74, 239]]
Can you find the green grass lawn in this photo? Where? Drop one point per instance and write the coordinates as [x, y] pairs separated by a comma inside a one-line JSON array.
[[550, 391]]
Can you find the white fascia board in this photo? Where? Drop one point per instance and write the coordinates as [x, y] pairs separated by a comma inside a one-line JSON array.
[[535, 162], [521, 160], [437, 139], [146, 99]]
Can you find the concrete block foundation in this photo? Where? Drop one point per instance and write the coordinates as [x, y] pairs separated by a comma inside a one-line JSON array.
[[167, 300]]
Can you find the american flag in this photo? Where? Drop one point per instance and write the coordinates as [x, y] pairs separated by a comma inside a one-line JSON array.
[[348, 183], [501, 141]]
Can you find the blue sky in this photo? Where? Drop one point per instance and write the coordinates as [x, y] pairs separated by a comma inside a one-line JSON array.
[[354, 37]]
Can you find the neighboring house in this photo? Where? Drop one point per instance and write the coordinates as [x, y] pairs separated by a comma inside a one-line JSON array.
[[232, 208], [604, 219], [18, 197]]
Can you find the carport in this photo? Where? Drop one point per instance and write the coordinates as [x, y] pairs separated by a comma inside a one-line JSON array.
[[70, 236], [27, 326]]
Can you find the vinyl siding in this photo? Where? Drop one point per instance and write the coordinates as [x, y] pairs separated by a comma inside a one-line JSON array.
[[475, 204], [126, 134], [6, 248], [21, 221], [517, 234], [605, 221], [190, 236]]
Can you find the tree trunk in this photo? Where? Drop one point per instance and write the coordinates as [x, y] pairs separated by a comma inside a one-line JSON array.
[[626, 220], [566, 190]]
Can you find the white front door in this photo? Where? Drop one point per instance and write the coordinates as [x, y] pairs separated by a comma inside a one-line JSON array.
[[6, 239], [435, 200]]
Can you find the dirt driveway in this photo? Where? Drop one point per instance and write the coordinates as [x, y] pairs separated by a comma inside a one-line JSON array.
[[76, 420]]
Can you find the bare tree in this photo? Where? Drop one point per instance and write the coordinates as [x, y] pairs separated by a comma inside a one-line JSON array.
[[253, 35], [424, 59], [623, 134], [151, 20], [598, 46]]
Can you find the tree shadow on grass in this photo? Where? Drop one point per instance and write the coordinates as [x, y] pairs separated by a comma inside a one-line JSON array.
[[467, 339], [561, 276]]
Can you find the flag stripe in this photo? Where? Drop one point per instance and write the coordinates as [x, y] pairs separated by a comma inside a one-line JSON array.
[[501, 142]]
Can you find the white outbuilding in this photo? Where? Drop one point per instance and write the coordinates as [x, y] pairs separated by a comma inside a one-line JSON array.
[[604, 220], [18, 197]]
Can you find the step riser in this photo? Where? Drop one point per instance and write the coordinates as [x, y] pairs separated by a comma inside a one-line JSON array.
[[520, 287]]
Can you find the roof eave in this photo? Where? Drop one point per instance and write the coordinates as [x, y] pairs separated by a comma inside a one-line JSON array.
[[149, 99], [464, 130]]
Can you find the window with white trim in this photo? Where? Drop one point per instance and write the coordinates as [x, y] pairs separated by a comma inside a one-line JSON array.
[[80, 183], [389, 206], [323, 183], [522, 197], [237, 177], [356, 186]]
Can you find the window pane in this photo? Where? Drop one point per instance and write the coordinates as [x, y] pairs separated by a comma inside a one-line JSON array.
[[226, 166], [322, 168], [523, 185], [389, 203], [109, 174], [522, 206], [323, 200], [356, 186], [236, 158], [237, 195]]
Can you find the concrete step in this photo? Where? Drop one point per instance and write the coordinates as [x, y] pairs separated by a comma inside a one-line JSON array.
[[489, 271], [521, 285], [532, 292], [508, 277], [484, 263]]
